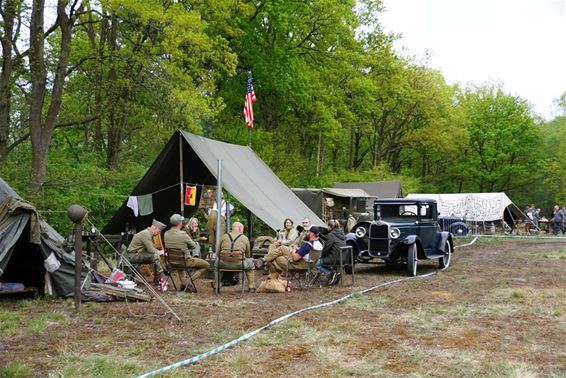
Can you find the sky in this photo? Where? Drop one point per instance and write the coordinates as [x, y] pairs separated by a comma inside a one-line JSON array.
[[518, 43]]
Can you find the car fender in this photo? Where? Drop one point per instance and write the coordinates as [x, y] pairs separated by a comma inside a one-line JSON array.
[[462, 225], [410, 239], [352, 240], [444, 236]]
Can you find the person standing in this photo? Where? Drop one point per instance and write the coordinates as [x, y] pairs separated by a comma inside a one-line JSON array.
[[557, 220]]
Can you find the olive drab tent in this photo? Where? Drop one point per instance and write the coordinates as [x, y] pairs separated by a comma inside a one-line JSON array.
[[335, 203], [31, 250], [379, 189], [189, 160]]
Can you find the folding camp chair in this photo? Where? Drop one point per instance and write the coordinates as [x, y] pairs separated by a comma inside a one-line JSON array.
[[230, 260], [306, 277], [175, 261]]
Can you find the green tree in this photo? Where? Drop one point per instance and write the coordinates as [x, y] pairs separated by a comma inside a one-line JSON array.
[[503, 149]]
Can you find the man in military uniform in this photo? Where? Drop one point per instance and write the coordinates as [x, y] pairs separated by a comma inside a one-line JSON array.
[[211, 227], [294, 257], [142, 251], [237, 241], [176, 238]]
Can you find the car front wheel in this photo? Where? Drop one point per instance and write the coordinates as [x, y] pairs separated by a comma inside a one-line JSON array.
[[412, 260], [445, 260]]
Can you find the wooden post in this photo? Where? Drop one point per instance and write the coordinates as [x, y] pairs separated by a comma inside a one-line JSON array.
[[78, 215], [78, 262]]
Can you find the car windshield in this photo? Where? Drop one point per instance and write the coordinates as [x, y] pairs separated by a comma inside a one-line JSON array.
[[404, 211]]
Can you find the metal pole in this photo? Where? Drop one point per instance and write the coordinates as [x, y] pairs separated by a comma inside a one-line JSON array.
[[218, 215], [181, 178], [250, 225]]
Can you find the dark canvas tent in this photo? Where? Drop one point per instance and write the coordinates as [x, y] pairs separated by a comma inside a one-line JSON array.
[[379, 189], [26, 241], [193, 159]]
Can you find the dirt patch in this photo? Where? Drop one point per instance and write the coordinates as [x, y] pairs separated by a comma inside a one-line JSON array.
[[497, 310]]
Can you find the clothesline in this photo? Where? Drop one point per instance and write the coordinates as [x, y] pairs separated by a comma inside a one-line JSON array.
[[143, 204]]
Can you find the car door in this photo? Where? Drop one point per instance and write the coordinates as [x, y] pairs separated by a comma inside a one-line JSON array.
[[427, 228]]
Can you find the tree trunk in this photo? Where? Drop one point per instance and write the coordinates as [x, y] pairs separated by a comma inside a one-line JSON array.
[[318, 154], [6, 37], [41, 130], [114, 134]]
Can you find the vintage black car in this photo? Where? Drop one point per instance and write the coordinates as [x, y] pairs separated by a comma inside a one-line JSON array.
[[403, 231]]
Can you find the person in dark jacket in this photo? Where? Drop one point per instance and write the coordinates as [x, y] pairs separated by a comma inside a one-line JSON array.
[[331, 252]]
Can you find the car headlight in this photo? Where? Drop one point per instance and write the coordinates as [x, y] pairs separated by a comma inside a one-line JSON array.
[[394, 233], [360, 232]]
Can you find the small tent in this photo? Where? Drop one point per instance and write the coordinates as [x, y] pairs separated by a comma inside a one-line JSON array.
[[26, 242], [188, 160], [379, 189]]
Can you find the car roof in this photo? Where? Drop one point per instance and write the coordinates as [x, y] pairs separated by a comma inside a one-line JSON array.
[[404, 201]]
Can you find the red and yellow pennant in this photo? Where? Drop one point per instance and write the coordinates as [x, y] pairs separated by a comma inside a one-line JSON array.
[[190, 195]]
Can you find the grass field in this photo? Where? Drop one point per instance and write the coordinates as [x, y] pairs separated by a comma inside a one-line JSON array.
[[498, 311]]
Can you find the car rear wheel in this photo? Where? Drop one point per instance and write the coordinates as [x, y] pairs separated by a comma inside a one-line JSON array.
[[412, 260], [445, 260]]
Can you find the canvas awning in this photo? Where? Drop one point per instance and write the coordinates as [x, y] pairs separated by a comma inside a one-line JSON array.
[[244, 175], [476, 207]]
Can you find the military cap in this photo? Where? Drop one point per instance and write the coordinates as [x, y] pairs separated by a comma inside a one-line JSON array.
[[158, 224], [314, 230]]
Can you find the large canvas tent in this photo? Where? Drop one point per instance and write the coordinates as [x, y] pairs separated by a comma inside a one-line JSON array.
[[26, 241], [379, 189], [192, 159], [474, 207]]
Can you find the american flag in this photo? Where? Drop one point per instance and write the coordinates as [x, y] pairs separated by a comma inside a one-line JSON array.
[[249, 104]]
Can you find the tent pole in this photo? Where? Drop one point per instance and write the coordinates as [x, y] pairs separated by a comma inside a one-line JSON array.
[[250, 215], [217, 230], [181, 178], [250, 225]]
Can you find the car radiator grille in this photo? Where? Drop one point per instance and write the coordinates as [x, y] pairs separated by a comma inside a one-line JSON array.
[[378, 238]]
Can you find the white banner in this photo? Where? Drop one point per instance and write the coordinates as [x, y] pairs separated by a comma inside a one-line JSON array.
[[479, 207]]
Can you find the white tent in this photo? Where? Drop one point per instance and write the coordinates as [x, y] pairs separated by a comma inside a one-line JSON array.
[[475, 207]]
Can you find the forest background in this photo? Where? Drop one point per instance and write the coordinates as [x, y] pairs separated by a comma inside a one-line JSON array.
[[91, 90]]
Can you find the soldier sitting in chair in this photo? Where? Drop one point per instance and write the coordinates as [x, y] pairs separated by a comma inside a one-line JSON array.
[[237, 241], [283, 257], [175, 238], [142, 251]]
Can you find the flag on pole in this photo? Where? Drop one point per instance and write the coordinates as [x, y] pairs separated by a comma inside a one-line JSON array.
[[249, 104], [190, 195]]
